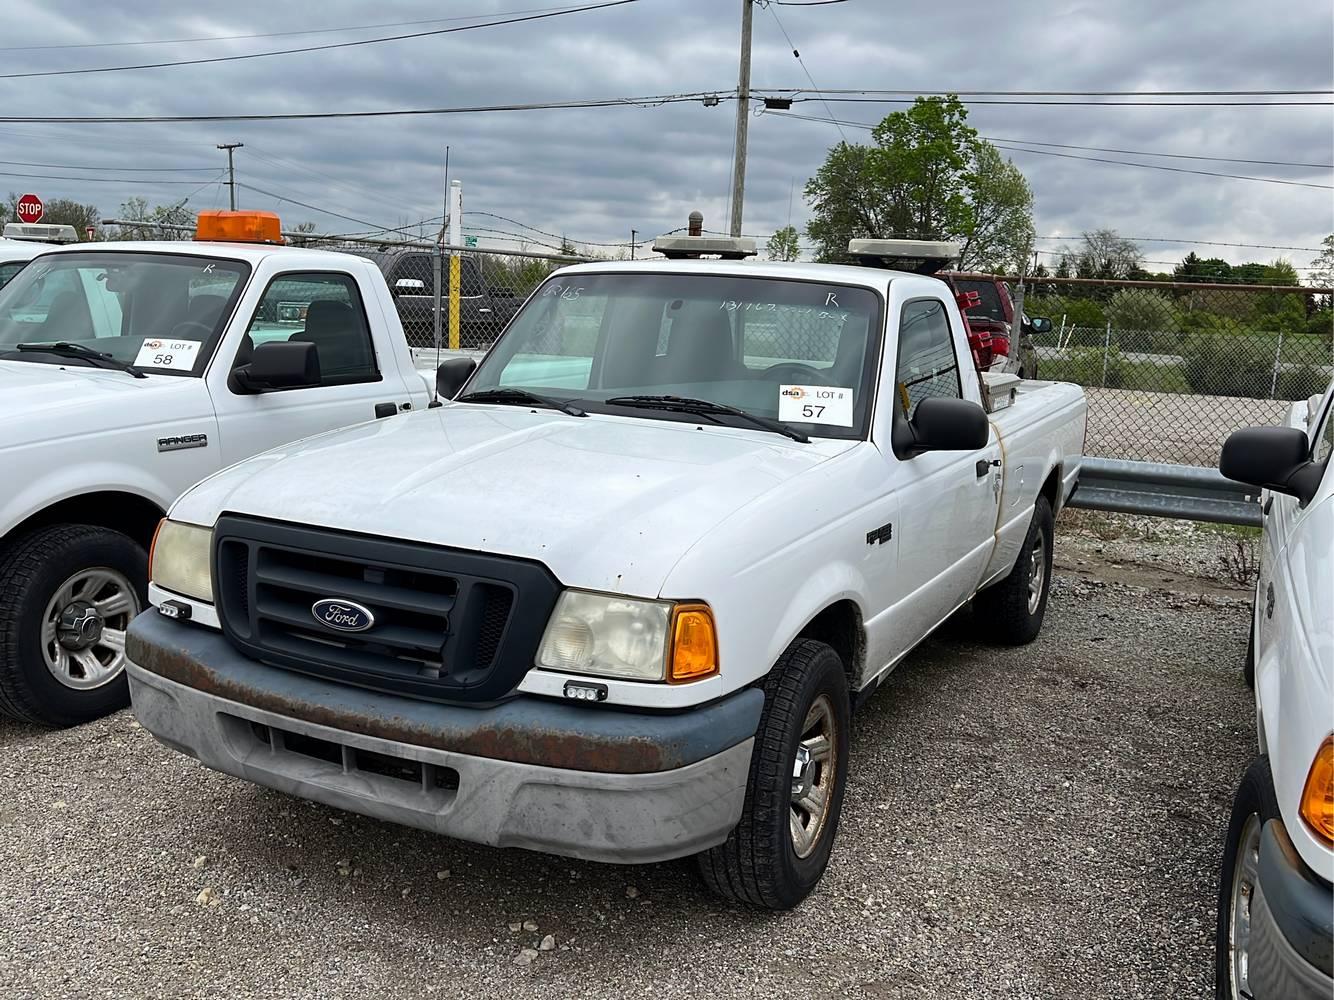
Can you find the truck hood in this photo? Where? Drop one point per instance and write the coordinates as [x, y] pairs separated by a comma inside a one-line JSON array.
[[38, 400], [607, 503]]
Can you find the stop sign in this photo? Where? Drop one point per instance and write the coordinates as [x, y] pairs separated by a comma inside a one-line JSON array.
[[30, 208]]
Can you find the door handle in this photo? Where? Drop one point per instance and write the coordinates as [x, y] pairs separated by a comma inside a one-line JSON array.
[[984, 466], [385, 410]]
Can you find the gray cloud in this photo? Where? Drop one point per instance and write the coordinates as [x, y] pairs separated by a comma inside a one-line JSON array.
[[595, 174]]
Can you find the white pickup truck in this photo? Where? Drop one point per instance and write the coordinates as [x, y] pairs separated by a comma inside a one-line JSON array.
[[128, 372], [619, 597]]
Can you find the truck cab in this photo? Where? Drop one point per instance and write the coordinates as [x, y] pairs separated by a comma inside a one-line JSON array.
[[129, 371], [618, 597]]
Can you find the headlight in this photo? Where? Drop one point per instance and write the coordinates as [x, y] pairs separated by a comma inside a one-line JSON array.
[[607, 636], [179, 559]]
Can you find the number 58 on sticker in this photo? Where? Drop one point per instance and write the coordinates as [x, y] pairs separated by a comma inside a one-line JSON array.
[[815, 404]]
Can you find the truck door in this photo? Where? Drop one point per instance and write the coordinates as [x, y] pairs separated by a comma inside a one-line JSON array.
[[324, 308], [947, 500]]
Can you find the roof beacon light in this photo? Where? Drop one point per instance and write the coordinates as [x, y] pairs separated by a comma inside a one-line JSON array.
[[239, 227], [685, 247], [919, 256], [37, 232]]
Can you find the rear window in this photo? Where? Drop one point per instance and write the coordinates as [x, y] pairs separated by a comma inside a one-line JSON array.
[[990, 307]]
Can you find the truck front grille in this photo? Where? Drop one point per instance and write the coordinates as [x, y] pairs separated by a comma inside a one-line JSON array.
[[427, 621]]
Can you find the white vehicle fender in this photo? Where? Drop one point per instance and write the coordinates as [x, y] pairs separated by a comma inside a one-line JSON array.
[[59, 483]]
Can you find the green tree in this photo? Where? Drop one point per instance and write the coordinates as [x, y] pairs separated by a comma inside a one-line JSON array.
[[1203, 270], [1322, 265], [1142, 310], [1000, 230], [926, 176], [1284, 311], [782, 245]]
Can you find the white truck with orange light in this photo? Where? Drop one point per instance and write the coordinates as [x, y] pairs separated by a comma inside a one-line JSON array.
[[618, 597], [128, 372]]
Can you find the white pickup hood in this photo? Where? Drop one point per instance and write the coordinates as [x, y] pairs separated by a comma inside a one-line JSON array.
[[41, 402], [607, 503]]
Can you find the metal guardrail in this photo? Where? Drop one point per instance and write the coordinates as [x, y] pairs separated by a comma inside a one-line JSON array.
[[1182, 491]]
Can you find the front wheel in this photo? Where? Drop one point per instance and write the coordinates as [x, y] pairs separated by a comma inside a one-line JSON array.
[[1254, 805], [1012, 610], [798, 768], [70, 594]]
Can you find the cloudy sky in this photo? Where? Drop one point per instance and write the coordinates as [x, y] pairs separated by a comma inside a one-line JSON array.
[[595, 174]]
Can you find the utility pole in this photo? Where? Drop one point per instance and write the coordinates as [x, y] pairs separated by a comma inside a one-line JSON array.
[[633, 234], [231, 169], [742, 118]]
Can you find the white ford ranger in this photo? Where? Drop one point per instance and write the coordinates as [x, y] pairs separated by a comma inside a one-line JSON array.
[[129, 371], [1276, 906], [619, 597]]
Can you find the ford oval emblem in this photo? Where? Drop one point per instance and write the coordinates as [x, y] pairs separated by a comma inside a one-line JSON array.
[[343, 615]]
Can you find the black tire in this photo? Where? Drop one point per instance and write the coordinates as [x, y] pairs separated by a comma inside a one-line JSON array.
[[31, 570], [759, 864], [1255, 797], [1004, 611]]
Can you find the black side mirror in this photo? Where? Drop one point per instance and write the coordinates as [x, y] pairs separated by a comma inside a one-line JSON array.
[[1039, 324], [943, 425], [278, 364], [1275, 458], [451, 375]]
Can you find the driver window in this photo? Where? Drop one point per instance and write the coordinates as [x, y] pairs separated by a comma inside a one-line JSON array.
[[927, 366], [320, 309]]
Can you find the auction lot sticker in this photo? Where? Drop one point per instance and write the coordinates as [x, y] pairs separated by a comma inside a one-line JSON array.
[[177, 355], [815, 404]]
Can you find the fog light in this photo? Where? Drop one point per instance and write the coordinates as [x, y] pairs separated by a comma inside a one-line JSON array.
[[585, 692]]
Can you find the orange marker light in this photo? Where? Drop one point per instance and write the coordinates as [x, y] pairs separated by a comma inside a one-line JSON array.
[[239, 227], [694, 653], [1317, 805], [152, 546]]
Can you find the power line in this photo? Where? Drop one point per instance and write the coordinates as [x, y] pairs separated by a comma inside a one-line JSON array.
[[1081, 104], [313, 208], [801, 61], [94, 166], [554, 236], [285, 164], [1194, 243], [1095, 159], [639, 102], [316, 48], [1174, 156], [794, 91], [102, 180], [262, 34], [1163, 166]]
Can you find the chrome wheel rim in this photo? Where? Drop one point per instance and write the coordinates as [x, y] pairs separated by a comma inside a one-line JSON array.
[[814, 766], [1037, 573], [1245, 872], [83, 628]]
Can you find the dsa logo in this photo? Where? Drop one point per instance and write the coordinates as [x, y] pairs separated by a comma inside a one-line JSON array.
[[152, 345], [793, 392]]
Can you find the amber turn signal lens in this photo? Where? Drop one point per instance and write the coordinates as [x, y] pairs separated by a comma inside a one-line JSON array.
[[239, 227], [694, 644], [1317, 806]]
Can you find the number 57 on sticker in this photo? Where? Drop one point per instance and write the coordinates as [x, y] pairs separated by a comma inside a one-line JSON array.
[[816, 404]]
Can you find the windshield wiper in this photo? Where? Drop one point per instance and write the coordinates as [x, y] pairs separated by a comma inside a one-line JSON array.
[[65, 349], [508, 394], [707, 407]]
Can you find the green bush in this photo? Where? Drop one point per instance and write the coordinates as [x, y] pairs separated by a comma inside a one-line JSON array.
[[1084, 366], [1300, 383], [1141, 310], [1220, 365]]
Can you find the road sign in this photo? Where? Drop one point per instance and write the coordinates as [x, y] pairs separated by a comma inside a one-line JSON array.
[[30, 208], [470, 241]]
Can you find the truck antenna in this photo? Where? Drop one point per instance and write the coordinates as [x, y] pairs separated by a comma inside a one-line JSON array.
[[437, 273]]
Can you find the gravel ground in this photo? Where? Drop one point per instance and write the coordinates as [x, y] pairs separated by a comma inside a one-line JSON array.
[[1042, 822]]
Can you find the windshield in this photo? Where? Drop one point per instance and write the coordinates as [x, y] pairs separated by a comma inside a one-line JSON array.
[[990, 306], [800, 352], [160, 312]]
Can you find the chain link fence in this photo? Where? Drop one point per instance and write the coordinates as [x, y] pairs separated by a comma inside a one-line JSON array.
[[1170, 369]]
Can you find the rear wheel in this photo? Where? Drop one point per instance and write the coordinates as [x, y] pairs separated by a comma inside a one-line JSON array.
[[798, 768], [71, 592], [1254, 805], [1012, 610]]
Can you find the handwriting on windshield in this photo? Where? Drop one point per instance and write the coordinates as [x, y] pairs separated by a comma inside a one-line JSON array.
[[733, 305], [564, 291]]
